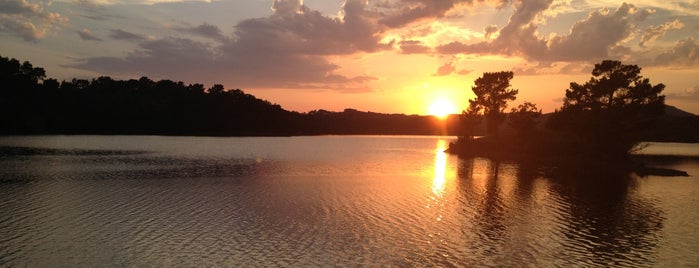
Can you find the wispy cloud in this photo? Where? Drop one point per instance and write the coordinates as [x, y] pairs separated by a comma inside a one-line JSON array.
[[205, 30], [86, 35], [446, 69], [120, 34], [689, 94], [652, 33]]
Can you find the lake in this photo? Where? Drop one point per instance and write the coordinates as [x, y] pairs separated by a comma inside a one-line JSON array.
[[95, 201]]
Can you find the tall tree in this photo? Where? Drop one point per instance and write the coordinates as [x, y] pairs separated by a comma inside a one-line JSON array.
[[618, 88], [492, 94], [470, 119], [608, 110]]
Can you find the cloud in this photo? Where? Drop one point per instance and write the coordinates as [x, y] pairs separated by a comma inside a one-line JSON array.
[[413, 47], [446, 69], [689, 94], [464, 72], [652, 33], [119, 34], [19, 7], [518, 37], [288, 49], [413, 10], [548, 68], [205, 30], [490, 31], [136, 2], [27, 20], [86, 35], [685, 53], [402, 12], [598, 36], [294, 28], [587, 41]]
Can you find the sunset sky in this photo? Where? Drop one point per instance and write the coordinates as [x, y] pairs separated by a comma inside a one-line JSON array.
[[389, 56]]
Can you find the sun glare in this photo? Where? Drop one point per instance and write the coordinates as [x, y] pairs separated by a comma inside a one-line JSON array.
[[441, 108]]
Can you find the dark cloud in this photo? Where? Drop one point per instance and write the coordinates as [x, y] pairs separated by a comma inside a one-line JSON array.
[[206, 30], [27, 20], [19, 7], [413, 47], [489, 31], [86, 35], [413, 10], [446, 69], [684, 53], [456, 48], [587, 41], [285, 50], [167, 57], [120, 34], [402, 12], [294, 28]]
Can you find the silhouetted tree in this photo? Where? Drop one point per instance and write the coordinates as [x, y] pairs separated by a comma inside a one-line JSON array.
[[607, 112], [492, 94], [217, 89], [51, 84], [470, 119], [523, 118]]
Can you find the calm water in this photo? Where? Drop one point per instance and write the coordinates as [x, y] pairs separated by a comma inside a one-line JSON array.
[[94, 201]]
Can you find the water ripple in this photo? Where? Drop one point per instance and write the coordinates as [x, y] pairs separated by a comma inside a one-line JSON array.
[[382, 206]]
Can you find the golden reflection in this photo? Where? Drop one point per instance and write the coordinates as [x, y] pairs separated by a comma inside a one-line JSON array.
[[440, 168]]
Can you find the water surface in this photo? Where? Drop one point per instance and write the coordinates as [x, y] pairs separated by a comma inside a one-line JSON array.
[[322, 201]]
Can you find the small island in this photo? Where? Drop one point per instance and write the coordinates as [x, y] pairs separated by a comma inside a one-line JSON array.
[[601, 123]]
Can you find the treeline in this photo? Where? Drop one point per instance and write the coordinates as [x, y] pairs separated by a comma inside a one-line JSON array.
[[31, 103]]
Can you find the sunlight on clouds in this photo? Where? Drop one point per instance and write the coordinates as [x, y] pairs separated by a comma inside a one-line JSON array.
[[136, 2], [559, 7], [686, 7], [442, 32], [434, 34], [29, 20]]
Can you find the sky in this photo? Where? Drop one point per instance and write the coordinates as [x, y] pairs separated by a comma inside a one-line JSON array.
[[388, 56]]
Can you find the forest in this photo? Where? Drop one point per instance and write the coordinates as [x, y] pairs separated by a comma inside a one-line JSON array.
[[32, 103]]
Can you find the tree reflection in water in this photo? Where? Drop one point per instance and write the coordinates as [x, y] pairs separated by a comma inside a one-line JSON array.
[[521, 215]]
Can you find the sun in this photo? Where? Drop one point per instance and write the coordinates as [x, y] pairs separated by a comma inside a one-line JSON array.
[[441, 108]]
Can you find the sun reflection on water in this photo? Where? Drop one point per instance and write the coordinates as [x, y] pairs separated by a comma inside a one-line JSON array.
[[438, 199], [440, 168]]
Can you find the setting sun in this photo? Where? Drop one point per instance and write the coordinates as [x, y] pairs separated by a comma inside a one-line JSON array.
[[441, 108]]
